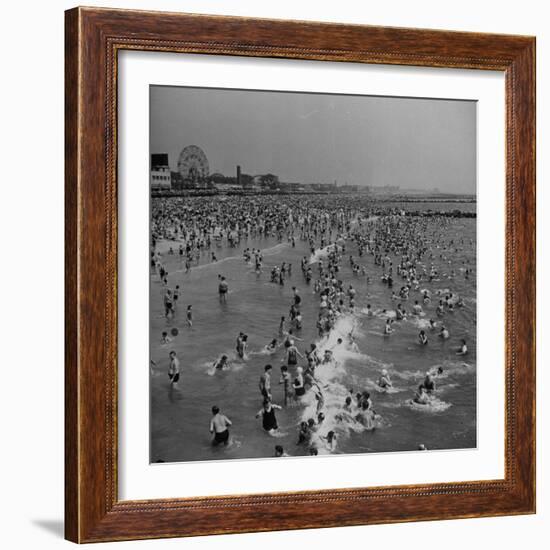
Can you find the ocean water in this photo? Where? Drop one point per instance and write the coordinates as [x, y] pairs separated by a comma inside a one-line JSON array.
[[180, 416]]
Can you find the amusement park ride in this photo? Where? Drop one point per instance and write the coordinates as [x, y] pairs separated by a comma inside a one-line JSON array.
[[193, 165]]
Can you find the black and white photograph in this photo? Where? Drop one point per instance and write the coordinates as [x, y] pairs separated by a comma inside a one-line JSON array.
[[312, 274]]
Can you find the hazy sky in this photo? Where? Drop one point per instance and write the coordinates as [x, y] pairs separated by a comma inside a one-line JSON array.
[[413, 143]]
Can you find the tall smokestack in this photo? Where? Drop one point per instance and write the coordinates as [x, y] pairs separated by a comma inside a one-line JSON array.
[[238, 175]]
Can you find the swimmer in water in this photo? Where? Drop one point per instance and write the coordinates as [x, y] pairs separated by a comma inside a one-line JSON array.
[[352, 343], [223, 288], [174, 369], [168, 304], [429, 382], [282, 330], [265, 383], [422, 338], [298, 383], [338, 344], [388, 327], [421, 397], [463, 350], [384, 381], [304, 434], [190, 315], [285, 381], [331, 440], [221, 363], [348, 404], [219, 425], [272, 346], [242, 345], [400, 313], [267, 413], [292, 354], [279, 451], [444, 333], [366, 415]]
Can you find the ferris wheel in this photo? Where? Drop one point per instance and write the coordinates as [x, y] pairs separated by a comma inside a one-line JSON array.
[[193, 164]]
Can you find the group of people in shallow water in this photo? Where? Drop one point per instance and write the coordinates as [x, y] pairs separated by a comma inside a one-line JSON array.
[[402, 248]]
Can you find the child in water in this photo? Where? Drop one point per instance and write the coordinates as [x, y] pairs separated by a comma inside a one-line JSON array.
[[384, 381], [421, 396]]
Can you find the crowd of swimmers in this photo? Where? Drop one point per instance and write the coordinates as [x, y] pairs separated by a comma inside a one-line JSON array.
[[404, 251]]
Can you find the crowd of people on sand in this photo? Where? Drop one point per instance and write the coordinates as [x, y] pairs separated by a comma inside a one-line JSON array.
[[404, 252]]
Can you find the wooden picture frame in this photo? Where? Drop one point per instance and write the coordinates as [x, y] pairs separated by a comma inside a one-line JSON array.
[[93, 511]]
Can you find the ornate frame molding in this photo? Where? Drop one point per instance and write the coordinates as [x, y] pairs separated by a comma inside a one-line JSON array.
[[93, 39]]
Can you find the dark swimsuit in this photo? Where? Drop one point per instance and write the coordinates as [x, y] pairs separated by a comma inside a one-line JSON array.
[[269, 421], [429, 386], [292, 358], [221, 437], [299, 389]]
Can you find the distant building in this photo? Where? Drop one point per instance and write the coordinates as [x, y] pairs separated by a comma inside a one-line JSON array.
[[324, 187], [267, 181], [161, 177], [347, 188], [385, 191], [177, 181]]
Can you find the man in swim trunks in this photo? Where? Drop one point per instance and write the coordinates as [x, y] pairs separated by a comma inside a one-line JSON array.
[[174, 369], [168, 304], [219, 425], [265, 382], [223, 287]]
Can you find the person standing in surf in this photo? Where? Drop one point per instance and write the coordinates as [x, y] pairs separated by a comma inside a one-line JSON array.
[[292, 354], [219, 425], [265, 382], [242, 345], [223, 288], [174, 369], [285, 381], [267, 413]]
